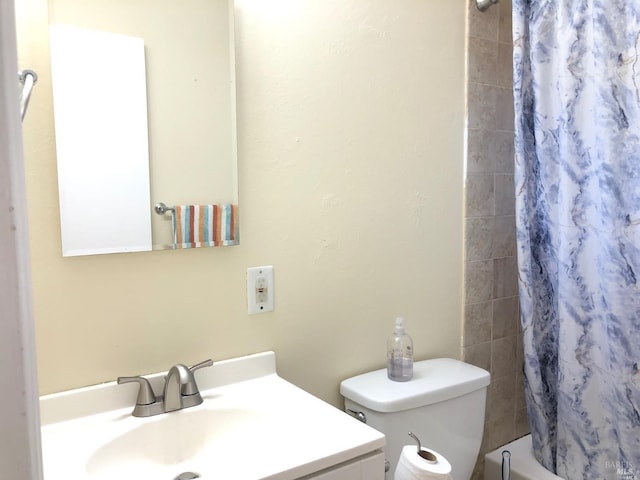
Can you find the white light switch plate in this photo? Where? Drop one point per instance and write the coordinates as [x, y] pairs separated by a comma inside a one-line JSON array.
[[260, 290]]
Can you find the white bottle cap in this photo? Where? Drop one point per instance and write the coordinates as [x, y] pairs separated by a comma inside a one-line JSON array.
[[399, 325]]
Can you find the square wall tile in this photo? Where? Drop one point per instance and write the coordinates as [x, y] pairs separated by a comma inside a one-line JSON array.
[[482, 103], [482, 60], [504, 65], [478, 280], [505, 157], [477, 323], [479, 195], [521, 401], [502, 397], [505, 277], [478, 238], [503, 357], [504, 236], [522, 423], [505, 195], [483, 24], [504, 109], [505, 33], [478, 355], [483, 150], [501, 431], [505, 318]]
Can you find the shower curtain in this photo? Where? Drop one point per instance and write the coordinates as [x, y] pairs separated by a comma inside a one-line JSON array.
[[577, 129]]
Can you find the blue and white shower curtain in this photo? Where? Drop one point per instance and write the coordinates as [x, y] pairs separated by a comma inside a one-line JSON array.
[[577, 122]]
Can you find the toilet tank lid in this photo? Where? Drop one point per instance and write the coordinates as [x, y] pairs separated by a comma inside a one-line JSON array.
[[433, 381]]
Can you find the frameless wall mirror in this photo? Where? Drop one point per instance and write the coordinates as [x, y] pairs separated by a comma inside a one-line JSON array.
[[144, 109]]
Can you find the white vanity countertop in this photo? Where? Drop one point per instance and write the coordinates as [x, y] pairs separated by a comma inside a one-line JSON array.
[[252, 425]]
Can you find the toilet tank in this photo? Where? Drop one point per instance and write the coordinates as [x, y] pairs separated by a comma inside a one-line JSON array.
[[443, 405]]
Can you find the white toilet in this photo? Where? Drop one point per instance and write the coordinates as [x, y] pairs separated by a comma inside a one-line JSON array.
[[443, 405]]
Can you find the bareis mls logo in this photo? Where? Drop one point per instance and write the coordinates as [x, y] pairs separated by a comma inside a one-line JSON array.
[[624, 470]]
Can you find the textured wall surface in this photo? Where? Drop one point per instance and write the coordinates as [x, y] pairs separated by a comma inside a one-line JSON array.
[[492, 338]]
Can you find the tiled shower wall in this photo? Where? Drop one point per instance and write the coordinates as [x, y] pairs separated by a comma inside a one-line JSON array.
[[491, 336]]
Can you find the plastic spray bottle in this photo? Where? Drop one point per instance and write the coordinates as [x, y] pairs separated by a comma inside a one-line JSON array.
[[400, 354]]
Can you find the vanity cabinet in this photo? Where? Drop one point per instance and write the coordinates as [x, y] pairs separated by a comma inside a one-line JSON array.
[[368, 468]]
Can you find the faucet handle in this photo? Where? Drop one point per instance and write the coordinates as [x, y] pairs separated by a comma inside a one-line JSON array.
[[145, 392], [191, 388], [206, 363]]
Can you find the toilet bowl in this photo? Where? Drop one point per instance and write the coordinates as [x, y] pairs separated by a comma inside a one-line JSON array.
[[443, 405]]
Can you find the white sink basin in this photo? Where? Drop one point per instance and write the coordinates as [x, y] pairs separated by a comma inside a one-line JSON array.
[[179, 438], [251, 425]]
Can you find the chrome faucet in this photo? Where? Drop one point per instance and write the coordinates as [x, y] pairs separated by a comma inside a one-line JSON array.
[[180, 391]]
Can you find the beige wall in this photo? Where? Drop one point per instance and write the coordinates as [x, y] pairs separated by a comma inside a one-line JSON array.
[[350, 140]]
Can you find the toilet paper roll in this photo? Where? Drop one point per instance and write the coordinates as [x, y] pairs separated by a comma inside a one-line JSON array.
[[412, 466]]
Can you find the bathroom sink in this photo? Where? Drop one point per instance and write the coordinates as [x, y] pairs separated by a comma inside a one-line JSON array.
[[172, 439], [251, 425]]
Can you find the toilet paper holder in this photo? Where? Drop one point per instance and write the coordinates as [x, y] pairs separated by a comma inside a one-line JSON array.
[[424, 454]]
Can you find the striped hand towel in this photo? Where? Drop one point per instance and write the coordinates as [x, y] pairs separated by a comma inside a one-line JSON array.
[[205, 225]]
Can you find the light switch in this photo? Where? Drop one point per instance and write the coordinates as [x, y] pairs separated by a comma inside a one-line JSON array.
[[260, 289]]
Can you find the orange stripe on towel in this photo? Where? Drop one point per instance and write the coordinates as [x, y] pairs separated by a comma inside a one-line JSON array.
[[178, 213], [218, 224]]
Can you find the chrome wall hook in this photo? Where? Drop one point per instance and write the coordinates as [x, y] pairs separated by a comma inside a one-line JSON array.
[[28, 79], [484, 4]]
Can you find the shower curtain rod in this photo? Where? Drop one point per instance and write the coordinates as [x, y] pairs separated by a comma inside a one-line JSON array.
[[28, 79]]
